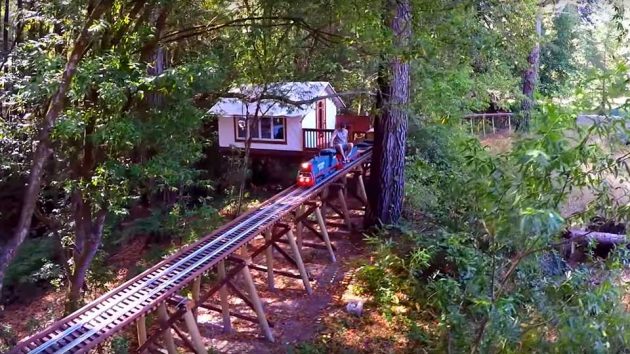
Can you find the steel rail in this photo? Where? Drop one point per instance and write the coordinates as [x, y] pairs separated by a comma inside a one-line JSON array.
[[133, 283], [130, 283], [185, 272], [154, 278], [140, 290]]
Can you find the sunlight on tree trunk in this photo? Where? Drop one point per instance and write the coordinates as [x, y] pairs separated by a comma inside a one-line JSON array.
[[530, 79], [390, 129], [88, 229]]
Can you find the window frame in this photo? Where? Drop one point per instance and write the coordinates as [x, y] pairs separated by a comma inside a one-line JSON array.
[[262, 140]]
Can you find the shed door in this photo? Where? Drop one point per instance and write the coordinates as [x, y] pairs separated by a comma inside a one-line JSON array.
[[320, 118], [321, 114]]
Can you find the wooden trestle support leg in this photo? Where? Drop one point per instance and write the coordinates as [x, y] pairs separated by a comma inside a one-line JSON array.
[[300, 263], [193, 330], [241, 263], [253, 295], [196, 289], [269, 259], [141, 327], [225, 304], [167, 334], [322, 227]]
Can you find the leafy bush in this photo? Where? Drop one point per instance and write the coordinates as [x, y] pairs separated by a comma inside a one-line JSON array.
[[120, 345], [482, 259], [33, 263]]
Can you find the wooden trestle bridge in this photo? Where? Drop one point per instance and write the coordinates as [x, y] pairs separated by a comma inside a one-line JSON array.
[[158, 291]]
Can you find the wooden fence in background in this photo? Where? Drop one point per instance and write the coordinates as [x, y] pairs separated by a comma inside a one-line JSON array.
[[483, 124]]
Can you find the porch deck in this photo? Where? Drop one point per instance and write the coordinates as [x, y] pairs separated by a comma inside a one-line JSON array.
[[317, 139]]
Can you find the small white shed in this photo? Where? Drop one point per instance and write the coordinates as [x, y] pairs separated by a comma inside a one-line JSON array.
[[280, 124]]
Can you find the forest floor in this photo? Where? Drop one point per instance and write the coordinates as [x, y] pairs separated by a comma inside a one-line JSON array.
[[297, 319]]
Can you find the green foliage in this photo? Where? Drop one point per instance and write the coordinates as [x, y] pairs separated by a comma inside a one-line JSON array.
[[557, 55], [120, 345], [8, 337], [34, 263], [479, 254]]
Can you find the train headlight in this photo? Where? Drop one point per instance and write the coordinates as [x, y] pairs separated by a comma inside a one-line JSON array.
[[306, 166]]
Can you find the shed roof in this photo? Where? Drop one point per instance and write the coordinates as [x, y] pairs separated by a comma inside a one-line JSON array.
[[290, 91]]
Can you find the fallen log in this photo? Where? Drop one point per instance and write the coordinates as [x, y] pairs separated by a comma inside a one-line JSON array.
[[585, 236]]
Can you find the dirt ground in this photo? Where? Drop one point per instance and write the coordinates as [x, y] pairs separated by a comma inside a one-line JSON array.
[[296, 317]]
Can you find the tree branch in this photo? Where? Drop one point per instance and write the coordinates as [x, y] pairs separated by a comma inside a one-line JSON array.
[[249, 21], [286, 100]]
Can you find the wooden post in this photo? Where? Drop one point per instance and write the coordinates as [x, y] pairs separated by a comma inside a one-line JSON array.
[[494, 131], [324, 196], [243, 251], [361, 187], [322, 226], [509, 123], [269, 258], [193, 330], [344, 208], [225, 305], [196, 289], [168, 335], [483, 124], [253, 297], [141, 326], [300, 263], [298, 231]]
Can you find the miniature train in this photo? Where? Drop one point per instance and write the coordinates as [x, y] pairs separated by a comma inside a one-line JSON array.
[[327, 162]]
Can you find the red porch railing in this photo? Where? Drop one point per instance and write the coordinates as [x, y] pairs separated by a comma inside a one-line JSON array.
[[317, 139]]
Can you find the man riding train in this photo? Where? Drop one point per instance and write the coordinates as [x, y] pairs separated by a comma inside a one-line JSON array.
[[339, 141]]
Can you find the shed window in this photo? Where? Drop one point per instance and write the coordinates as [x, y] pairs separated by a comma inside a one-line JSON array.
[[263, 129]]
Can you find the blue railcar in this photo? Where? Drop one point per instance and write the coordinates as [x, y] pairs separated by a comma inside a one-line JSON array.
[[327, 162]]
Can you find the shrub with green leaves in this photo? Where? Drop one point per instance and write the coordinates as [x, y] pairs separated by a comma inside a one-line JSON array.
[[483, 258]]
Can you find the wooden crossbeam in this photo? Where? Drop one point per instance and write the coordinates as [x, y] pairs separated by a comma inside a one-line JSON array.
[[184, 339], [166, 322], [279, 272], [233, 314], [311, 227], [307, 244]]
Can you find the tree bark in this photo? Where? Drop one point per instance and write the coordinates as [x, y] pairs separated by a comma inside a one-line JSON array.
[[248, 146], [387, 177], [585, 236], [88, 227], [43, 150], [530, 79], [5, 32], [19, 23]]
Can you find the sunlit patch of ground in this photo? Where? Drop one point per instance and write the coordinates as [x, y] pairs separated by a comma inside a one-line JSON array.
[[499, 142]]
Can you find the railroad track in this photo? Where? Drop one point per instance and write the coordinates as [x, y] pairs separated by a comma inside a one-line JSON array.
[[87, 327]]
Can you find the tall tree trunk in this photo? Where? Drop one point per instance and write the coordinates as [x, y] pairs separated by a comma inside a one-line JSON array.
[[387, 177], [530, 79], [43, 150], [248, 147], [88, 228], [20, 22], [5, 32]]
